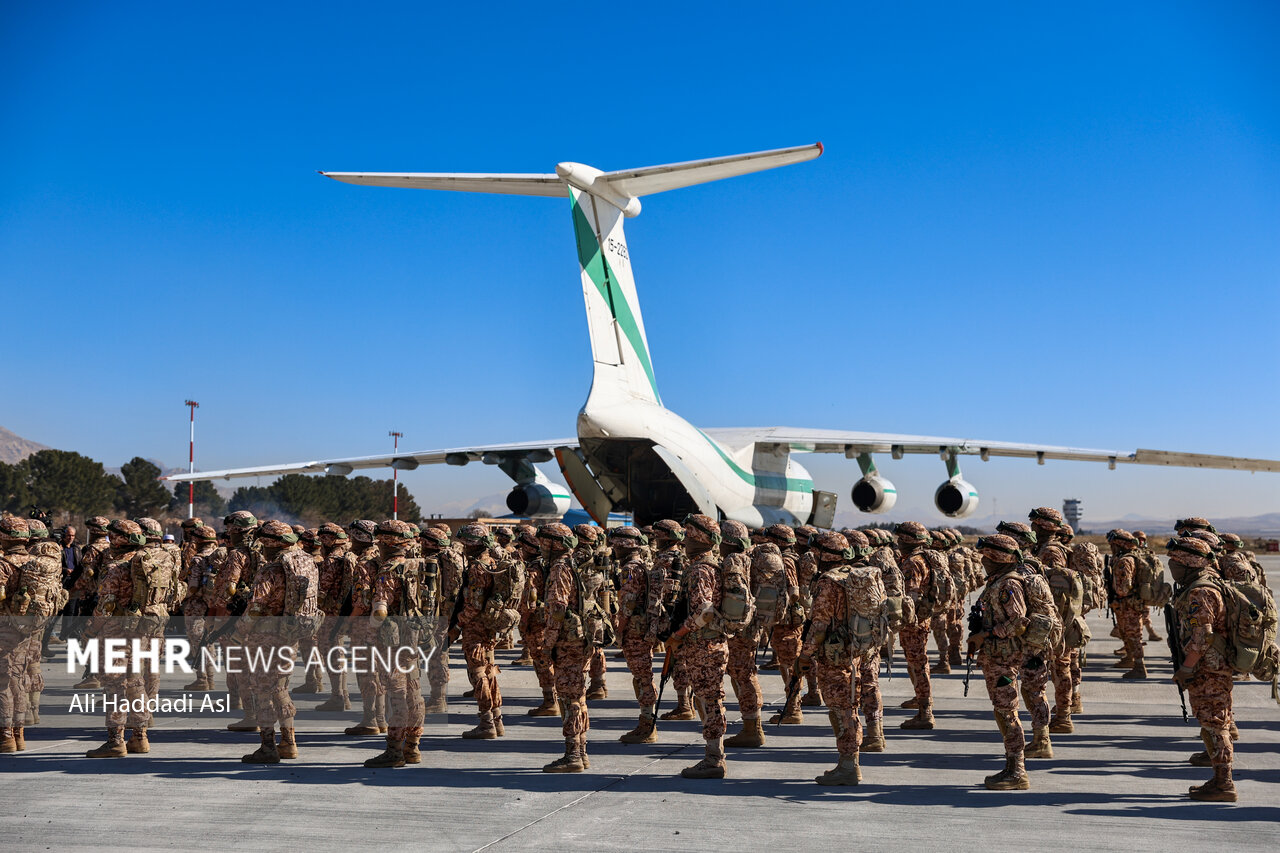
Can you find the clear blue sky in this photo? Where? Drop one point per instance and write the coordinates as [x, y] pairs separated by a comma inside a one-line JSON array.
[[1058, 225]]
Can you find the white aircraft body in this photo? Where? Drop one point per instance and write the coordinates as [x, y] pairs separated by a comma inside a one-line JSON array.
[[631, 453]]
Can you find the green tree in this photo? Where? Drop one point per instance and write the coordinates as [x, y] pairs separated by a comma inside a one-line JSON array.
[[62, 481], [311, 500], [13, 488], [141, 493], [208, 501]]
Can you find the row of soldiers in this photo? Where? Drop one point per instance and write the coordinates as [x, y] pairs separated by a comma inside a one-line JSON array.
[[712, 594]]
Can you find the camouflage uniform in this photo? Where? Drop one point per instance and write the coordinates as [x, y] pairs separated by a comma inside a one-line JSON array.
[[828, 647], [669, 566], [1205, 673], [533, 622], [1127, 606], [337, 572], [195, 607], [478, 638], [42, 577], [1237, 564], [451, 569], [233, 569], [701, 642], [789, 628], [373, 692], [396, 609], [767, 572], [1064, 663], [632, 625], [566, 636], [93, 558], [913, 537], [593, 565], [1004, 617], [15, 634], [166, 557]]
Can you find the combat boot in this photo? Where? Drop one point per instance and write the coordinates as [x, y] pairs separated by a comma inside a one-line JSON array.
[[469, 694], [392, 756], [791, 715], [582, 750], [267, 752], [811, 699], [1219, 789], [1121, 652], [19, 738], [683, 709], [1060, 724], [523, 660], [644, 732], [954, 658], [922, 720], [942, 667], [412, 755], [288, 747], [597, 690], [335, 703], [1115, 631], [484, 731], [366, 726], [1040, 746], [1077, 703], [846, 772], [1152, 635], [911, 704], [570, 762], [199, 684], [1126, 662], [1201, 759], [113, 748], [7, 742], [770, 664], [1139, 671], [497, 723], [89, 682], [752, 734], [873, 737], [712, 764], [1012, 778], [548, 708], [138, 742], [437, 704]]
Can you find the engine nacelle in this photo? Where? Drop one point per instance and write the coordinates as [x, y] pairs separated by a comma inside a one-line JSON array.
[[956, 498], [535, 500], [874, 494]]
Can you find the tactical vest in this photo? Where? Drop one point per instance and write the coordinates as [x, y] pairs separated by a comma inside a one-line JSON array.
[[1044, 626], [153, 574], [1149, 585], [771, 594], [302, 616]]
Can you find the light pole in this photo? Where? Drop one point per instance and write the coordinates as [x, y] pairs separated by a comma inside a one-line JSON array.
[[191, 460], [395, 472]]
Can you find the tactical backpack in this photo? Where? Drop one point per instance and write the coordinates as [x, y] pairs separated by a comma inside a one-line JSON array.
[[771, 588], [1149, 585], [939, 590], [891, 578], [1067, 588], [867, 623], [1044, 626], [40, 594], [302, 616], [501, 612], [152, 572], [1087, 562], [1249, 644], [736, 606]]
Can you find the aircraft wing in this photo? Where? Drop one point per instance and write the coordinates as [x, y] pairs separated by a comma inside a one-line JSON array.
[[853, 443], [533, 451]]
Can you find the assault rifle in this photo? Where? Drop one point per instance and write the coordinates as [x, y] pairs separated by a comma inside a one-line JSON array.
[[975, 627], [1111, 592], [1175, 651], [679, 613], [236, 607]]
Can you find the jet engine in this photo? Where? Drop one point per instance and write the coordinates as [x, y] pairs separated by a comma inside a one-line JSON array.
[[534, 499], [874, 493], [956, 498]]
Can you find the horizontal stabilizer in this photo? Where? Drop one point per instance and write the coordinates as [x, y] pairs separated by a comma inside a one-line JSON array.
[[514, 184], [656, 179]]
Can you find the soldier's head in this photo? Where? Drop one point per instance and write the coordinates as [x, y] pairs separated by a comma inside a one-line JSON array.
[[504, 535], [831, 547], [190, 524], [239, 524], [393, 536], [556, 538], [14, 532], [1231, 542], [310, 539], [701, 533], [624, 540], [588, 534], [1189, 557], [940, 540], [1022, 533], [125, 535], [1045, 521], [1066, 532], [1215, 544], [667, 532], [734, 537], [1141, 536], [433, 539], [804, 535], [331, 534], [527, 539], [474, 538], [912, 535], [275, 536], [205, 535], [97, 526], [1121, 541], [362, 531], [39, 530], [781, 535], [860, 543], [998, 552], [1183, 526], [151, 528]]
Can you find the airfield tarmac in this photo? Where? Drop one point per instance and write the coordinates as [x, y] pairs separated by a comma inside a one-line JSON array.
[[1118, 783]]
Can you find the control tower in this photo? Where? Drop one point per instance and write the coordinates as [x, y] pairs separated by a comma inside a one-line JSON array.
[[1072, 512]]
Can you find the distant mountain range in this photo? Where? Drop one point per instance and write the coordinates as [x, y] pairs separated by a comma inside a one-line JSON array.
[[14, 448]]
